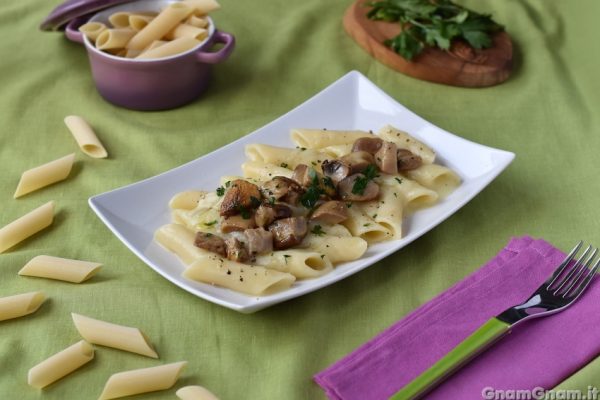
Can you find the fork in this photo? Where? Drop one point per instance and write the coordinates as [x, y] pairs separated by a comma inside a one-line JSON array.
[[558, 292]]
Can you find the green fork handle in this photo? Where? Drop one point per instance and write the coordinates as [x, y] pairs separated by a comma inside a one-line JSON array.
[[480, 340]]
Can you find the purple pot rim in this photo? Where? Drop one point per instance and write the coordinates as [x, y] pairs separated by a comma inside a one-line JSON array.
[[71, 9]]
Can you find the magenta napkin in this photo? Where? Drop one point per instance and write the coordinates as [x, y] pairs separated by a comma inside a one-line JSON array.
[[539, 353]]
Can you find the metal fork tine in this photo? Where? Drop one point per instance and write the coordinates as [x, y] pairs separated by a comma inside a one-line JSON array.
[[584, 267], [586, 281], [572, 271], [564, 264]]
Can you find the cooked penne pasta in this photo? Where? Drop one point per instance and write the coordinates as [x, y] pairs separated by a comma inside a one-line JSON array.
[[86, 138], [61, 269], [179, 240], [335, 248], [44, 175], [137, 22], [112, 335], [202, 7], [414, 196], [435, 177], [26, 226], [200, 22], [285, 156], [253, 280], [319, 138], [187, 200], [176, 46], [92, 29], [143, 380], [387, 210], [298, 212], [185, 30], [195, 393], [114, 38], [164, 22], [365, 227], [120, 19], [264, 171], [299, 262], [20, 305], [405, 141], [60, 364]]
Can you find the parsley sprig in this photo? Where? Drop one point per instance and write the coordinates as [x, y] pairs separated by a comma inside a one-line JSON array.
[[433, 23], [360, 184]]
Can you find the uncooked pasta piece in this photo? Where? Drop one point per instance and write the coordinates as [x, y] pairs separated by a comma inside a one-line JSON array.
[[113, 335], [20, 305], [44, 175], [143, 380], [61, 269], [26, 226], [60, 364], [195, 393], [85, 137]]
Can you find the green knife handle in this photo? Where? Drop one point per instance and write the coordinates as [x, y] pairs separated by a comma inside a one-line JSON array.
[[480, 340]]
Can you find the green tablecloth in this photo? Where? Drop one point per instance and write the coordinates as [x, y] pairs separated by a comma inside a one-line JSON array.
[[547, 113]]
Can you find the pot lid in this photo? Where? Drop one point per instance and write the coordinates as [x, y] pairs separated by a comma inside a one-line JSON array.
[[72, 9]]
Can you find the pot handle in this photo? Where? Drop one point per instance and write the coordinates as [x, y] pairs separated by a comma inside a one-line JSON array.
[[72, 30], [220, 55]]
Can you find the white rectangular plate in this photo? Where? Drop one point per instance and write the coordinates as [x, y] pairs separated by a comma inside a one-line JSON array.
[[134, 212]]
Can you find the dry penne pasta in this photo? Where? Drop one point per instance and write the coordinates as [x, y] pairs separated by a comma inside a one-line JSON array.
[[143, 380], [26, 226], [120, 19], [164, 22], [61, 269], [44, 175], [132, 53], [195, 393], [114, 38], [86, 138], [113, 335], [155, 44], [20, 305], [185, 30], [176, 46], [137, 22], [202, 7], [200, 22], [92, 29], [60, 364]]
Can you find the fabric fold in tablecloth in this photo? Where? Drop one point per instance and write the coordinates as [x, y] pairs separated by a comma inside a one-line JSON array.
[[539, 353]]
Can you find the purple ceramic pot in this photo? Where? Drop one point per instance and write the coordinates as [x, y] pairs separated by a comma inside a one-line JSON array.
[[151, 84]]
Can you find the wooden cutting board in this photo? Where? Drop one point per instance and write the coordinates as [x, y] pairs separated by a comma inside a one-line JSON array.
[[460, 66]]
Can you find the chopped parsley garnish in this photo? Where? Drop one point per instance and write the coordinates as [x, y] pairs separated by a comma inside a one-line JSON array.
[[317, 230], [227, 184], [272, 200], [360, 184], [328, 182], [367, 224], [211, 223], [285, 257], [313, 192], [245, 213], [283, 165], [398, 180], [220, 191], [254, 201], [348, 204]]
